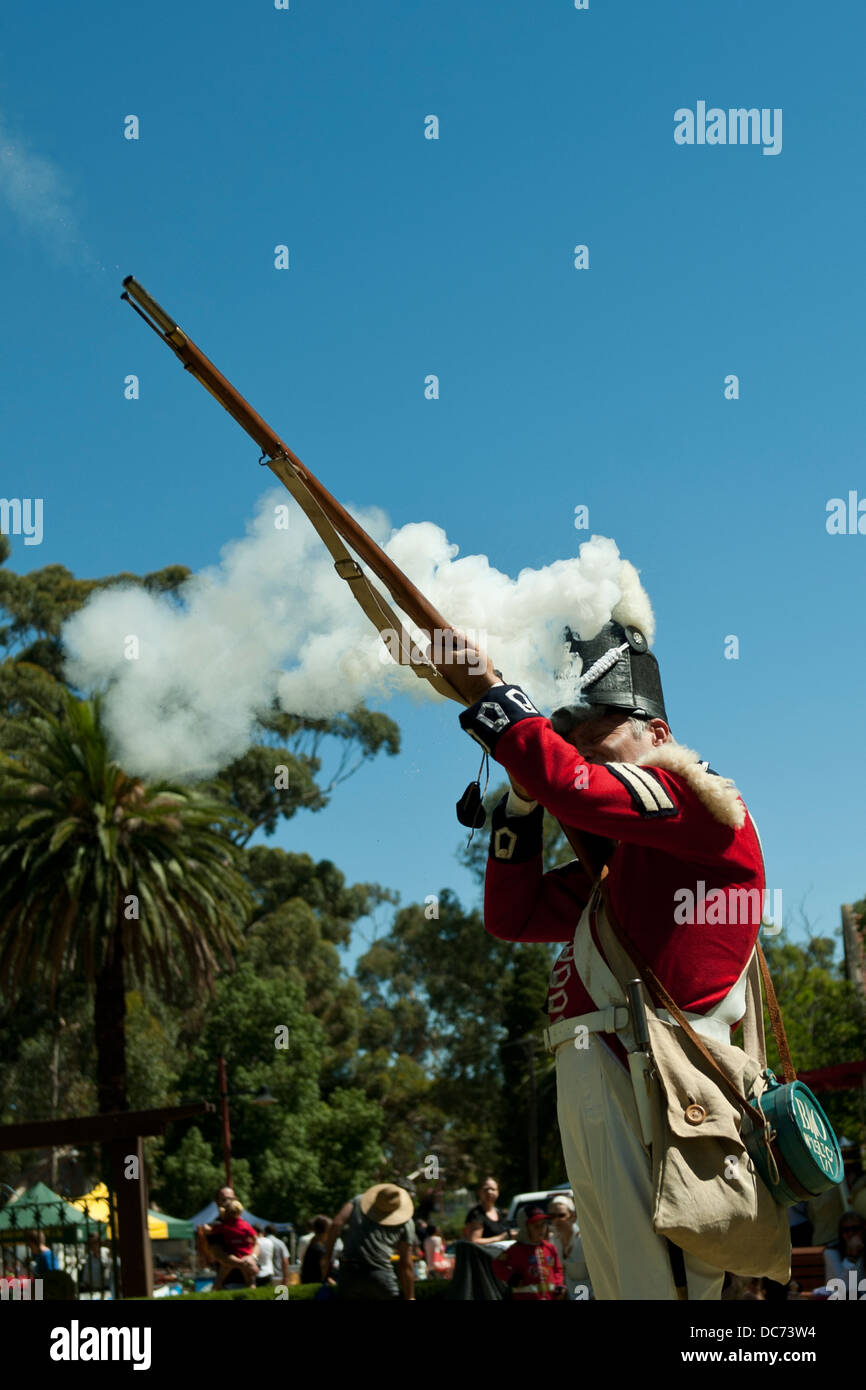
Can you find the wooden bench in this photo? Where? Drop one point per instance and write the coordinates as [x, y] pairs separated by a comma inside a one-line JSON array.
[[807, 1267]]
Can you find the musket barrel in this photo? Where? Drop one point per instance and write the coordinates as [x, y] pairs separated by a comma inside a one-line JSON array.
[[150, 306]]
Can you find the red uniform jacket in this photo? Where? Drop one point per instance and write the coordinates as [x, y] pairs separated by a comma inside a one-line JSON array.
[[677, 875]]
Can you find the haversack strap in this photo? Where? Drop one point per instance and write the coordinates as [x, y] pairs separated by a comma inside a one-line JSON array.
[[663, 999], [788, 1071], [376, 607]]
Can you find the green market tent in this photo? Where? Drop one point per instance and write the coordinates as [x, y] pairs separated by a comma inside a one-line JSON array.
[[47, 1210], [41, 1208], [163, 1227], [159, 1225]]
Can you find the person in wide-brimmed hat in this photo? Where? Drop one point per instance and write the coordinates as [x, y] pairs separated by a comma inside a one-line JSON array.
[[374, 1226], [387, 1204]]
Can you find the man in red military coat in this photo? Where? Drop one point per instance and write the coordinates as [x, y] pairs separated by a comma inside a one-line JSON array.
[[686, 883]]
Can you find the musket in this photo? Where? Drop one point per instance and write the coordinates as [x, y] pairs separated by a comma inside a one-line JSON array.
[[330, 519]]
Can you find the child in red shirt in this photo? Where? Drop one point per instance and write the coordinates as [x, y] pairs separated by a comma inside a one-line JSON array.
[[531, 1265]]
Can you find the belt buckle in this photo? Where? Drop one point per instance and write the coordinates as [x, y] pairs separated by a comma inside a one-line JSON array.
[[610, 1024]]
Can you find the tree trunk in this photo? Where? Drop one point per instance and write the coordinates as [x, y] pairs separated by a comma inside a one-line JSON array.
[[855, 966], [109, 1014], [532, 1118], [54, 1076]]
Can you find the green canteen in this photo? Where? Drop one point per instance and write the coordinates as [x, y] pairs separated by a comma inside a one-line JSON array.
[[805, 1147]]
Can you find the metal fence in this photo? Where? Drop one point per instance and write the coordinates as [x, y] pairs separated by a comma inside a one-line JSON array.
[[51, 1250]]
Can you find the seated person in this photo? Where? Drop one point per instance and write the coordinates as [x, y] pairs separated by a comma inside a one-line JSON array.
[[233, 1245]]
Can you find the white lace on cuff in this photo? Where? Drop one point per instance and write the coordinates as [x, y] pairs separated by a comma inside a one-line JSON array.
[[516, 806]]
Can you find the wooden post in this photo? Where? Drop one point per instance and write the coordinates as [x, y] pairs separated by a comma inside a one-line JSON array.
[[224, 1111], [136, 1264], [112, 1131]]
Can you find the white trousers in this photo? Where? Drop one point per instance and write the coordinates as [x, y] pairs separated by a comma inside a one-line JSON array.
[[611, 1176]]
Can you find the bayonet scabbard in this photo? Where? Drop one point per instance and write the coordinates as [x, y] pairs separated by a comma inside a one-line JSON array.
[[638, 1015], [640, 1061]]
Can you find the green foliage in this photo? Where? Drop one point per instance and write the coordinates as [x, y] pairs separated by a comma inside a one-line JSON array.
[[152, 1031], [39, 1043], [38, 604], [190, 1173], [308, 1150], [346, 1131], [442, 983], [293, 745], [298, 1293], [524, 993], [451, 1016], [278, 877], [24, 685], [89, 854]]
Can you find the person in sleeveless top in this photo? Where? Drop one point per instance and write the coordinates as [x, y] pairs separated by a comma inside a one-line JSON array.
[[374, 1227]]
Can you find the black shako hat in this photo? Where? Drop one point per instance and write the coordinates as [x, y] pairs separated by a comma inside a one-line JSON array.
[[619, 670]]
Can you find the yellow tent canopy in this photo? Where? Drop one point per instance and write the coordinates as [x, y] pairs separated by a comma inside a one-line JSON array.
[[159, 1226]]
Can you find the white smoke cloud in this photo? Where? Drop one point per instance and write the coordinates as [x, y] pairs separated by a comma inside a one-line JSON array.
[[273, 619]]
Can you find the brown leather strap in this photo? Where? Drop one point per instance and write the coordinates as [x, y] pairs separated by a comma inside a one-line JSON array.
[[374, 604], [772, 1003], [788, 1071], [662, 999], [593, 851]]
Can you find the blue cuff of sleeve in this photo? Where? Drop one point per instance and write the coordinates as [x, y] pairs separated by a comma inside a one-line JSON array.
[[502, 707], [516, 839]]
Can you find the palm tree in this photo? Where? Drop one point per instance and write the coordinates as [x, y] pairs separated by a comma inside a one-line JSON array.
[[98, 869]]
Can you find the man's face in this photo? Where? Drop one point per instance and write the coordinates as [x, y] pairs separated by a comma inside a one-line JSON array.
[[606, 736]]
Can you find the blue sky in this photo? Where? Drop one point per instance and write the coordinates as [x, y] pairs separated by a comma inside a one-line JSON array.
[[411, 256]]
